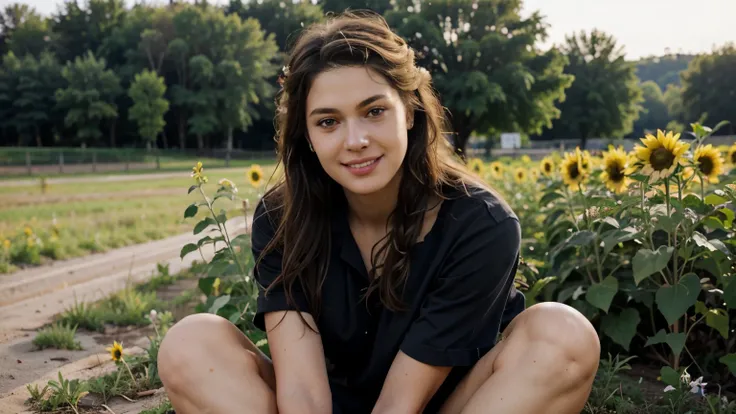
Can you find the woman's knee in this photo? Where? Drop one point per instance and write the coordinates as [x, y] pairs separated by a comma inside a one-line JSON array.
[[193, 343]]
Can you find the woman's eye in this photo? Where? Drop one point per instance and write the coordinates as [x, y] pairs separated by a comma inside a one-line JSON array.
[[376, 111], [326, 123]]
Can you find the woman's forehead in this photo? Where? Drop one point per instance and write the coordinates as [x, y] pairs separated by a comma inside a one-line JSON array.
[[346, 87]]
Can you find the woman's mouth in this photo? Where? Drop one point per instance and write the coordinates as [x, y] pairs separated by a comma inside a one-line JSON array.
[[363, 166]]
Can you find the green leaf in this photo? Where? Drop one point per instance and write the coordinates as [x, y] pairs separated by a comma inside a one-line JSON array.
[[191, 211], [618, 236], [206, 222], [715, 199], [532, 293], [718, 320], [219, 303], [701, 241], [730, 361], [721, 247], [670, 376], [668, 224], [205, 285], [647, 262], [700, 308], [676, 341], [611, 222], [218, 268], [579, 238], [674, 301], [549, 197], [621, 328], [601, 294], [192, 188], [730, 216], [188, 248], [729, 293], [644, 297]]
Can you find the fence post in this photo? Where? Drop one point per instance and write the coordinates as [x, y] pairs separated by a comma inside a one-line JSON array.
[[61, 162], [28, 163], [94, 161]]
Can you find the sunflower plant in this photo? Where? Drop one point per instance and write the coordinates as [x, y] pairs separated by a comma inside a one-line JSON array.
[[643, 253]]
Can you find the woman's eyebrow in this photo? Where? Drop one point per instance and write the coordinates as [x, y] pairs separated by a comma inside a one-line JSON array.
[[362, 104]]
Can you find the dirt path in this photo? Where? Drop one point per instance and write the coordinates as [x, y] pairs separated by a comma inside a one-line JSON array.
[[30, 299], [21, 182]]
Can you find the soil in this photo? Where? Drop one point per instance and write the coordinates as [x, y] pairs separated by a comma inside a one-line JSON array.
[[29, 299]]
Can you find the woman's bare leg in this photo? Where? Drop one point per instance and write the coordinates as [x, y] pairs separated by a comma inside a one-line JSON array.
[[208, 366], [546, 363]]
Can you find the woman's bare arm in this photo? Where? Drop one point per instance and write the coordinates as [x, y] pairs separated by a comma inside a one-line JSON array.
[[299, 364]]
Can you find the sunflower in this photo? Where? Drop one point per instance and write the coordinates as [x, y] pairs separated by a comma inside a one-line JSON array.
[[476, 165], [661, 154], [525, 159], [116, 351], [534, 174], [228, 185], [572, 173], [709, 162], [614, 170], [731, 158], [496, 169], [197, 173], [28, 231], [255, 175], [547, 166], [520, 175]]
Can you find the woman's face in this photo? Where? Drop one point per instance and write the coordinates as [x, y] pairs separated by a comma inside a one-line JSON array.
[[357, 124]]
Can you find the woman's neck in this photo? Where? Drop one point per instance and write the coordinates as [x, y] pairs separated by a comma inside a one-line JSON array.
[[373, 210]]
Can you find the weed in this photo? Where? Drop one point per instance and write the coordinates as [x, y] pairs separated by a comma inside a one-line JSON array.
[[162, 408], [62, 393], [59, 336], [84, 315], [129, 307]]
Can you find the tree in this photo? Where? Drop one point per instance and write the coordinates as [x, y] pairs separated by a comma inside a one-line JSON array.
[[604, 100], [284, 19], [35, 104], [707, 90], [664, 70], [9, 76], [30, 36], [654, 114], [89, 98], [81, 29], [12, 16], [338, 6], [202, 99], [149, 106], [484, 64]]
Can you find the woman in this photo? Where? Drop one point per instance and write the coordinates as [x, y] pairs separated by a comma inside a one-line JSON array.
[[387, 269]]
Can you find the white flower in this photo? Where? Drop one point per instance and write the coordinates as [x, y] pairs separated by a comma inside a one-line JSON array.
[[698, 386], [669, 388], [152, 316], [685, 377]]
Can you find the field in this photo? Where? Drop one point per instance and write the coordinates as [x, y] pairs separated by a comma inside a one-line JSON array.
[[43, 221], [642, 243]]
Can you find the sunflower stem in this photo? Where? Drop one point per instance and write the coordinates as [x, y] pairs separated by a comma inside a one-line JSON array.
[[572, 209], [129, 372], [702, 188], [598, 263]]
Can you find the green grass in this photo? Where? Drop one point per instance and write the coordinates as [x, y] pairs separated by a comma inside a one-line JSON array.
[[75, 219], [159, 409], [58, 336]]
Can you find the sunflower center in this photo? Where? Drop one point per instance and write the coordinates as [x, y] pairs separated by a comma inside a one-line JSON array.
[[573, 171], [615, 172], [705, 165], [118, 354], [255, 176], [661, 159], [547, 167], [733, 157]]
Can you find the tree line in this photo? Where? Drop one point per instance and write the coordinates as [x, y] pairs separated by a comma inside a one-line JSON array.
[[98, 73]]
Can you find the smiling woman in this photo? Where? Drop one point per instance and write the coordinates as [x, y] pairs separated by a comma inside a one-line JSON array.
[[386, 267]]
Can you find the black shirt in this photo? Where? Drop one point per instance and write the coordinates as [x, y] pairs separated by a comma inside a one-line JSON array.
[[459, 294]]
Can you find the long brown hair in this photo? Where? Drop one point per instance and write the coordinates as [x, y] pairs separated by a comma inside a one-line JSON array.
[[305, 198]]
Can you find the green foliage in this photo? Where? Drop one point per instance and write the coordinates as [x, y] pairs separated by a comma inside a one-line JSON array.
[[89, 97], [61, 394], [663, 70], [57, 335], [485, 64], [604, 100], [162, 408], [654, 114], [706, 91], [149, 105], [83, 315]]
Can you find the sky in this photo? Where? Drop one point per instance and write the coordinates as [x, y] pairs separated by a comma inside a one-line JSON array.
[[643, 27]]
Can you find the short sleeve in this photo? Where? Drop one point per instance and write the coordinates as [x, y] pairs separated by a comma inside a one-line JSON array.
[[460, 318], [268, 268]]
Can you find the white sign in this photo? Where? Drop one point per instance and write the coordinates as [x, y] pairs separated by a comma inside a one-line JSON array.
[[510, 140]]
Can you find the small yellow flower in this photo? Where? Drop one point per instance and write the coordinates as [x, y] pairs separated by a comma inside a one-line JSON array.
[[731, 158], [116, 351], [28, 231], [197, 173], [6, 244], [547, 166], [520, 175], [30, 242], [709, 162], [573, 174], [216, 287], [614, 170], [525, 159], [227, 184], [496, 169], [255, 175], [476, 165], [661, 154], [534, 174]]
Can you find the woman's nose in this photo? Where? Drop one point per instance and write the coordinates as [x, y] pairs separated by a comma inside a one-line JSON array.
[[357, 138]]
